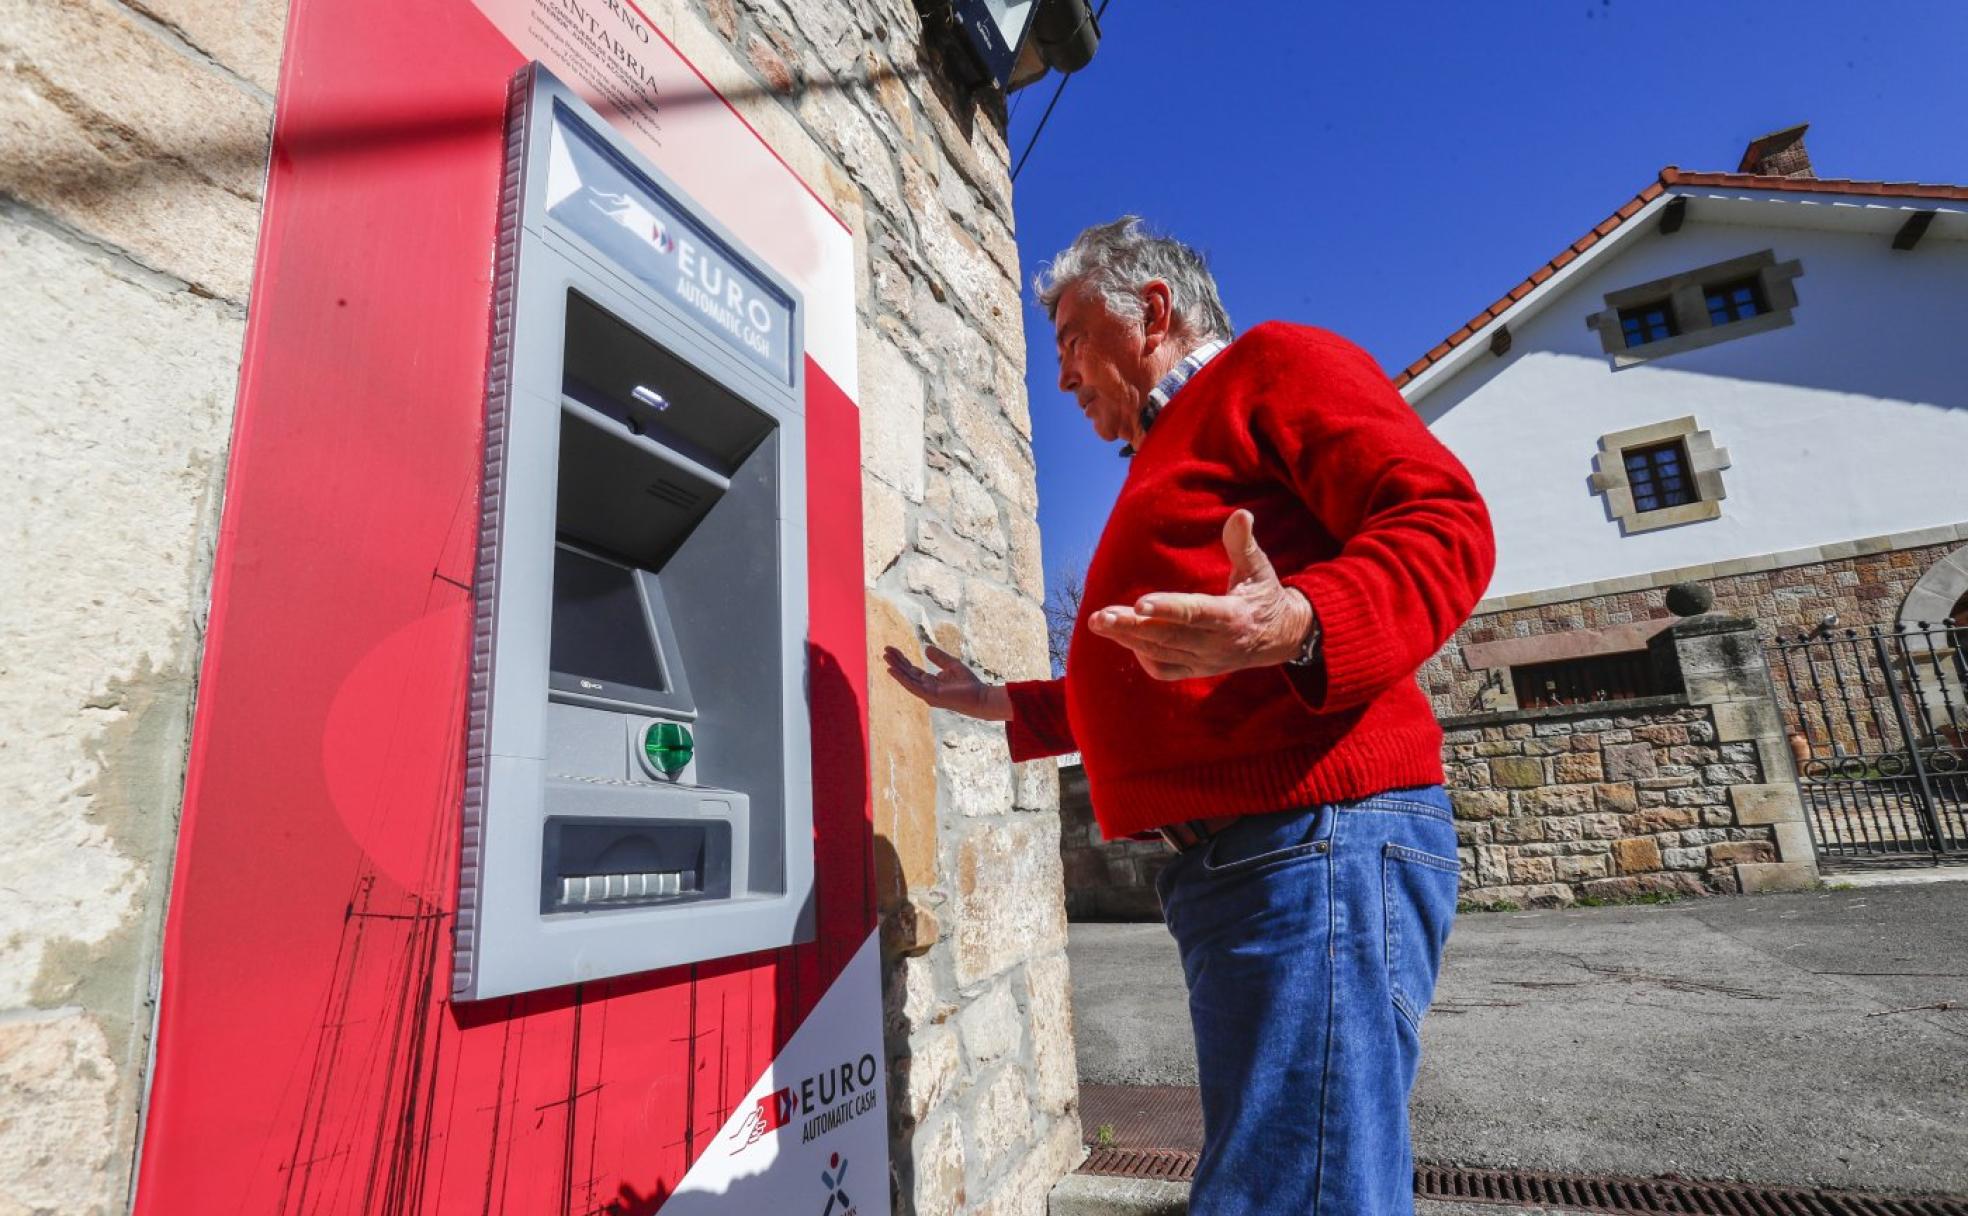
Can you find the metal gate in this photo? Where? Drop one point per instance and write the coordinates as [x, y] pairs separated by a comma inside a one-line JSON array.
[[1878, 721]]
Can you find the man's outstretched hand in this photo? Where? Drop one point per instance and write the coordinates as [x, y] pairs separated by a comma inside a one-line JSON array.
[[1257, 622], [953, 686]]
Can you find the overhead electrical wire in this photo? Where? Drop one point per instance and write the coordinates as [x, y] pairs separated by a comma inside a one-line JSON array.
[[1040, 129]]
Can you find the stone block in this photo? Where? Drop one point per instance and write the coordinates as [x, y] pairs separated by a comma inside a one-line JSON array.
[[1479, 804], [59, 1148], [976, 768], [902, 762], [1667, 734], [1009, 905], [1742, 852], [1794, 842], [910, 928], [1670, 882], [1664, 819], [1557, 800], [937, 1151], [1549, 895], [893, 403], [1636, 855], [991, 1027], [1492, 865], [1612, 888], [120, 134], [1002, 1119], [1049, 1021], [1527, 870], [1582, 868], [1564, 827], [1027, 1187], [1578, 767], [1600, 827], [1517, 772], [1473, 833], [884, 527], [1517, 830], [927, 1073], [1618, 798], [1629, 762], [1685, 859], [1007, 631], [1732, 774], [911, 999], [1756, 878], [1766, 803]]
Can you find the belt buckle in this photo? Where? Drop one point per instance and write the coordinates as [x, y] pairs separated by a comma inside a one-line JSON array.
[[1184, 835]]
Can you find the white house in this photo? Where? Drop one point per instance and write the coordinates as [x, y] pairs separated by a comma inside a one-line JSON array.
[[1757, 380]]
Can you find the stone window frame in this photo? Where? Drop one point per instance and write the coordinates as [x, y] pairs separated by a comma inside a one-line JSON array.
[[1705, 463], [1685, 294]]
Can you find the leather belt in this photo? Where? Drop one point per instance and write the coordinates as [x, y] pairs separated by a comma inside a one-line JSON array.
[[1192, 832]]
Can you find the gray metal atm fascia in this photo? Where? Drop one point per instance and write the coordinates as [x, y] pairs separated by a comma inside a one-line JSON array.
[[503, 944]]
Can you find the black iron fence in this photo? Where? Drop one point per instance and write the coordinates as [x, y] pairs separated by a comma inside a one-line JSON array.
[[1878, 722]]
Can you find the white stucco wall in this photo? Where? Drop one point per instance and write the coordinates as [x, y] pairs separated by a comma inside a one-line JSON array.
[[1850, 423]]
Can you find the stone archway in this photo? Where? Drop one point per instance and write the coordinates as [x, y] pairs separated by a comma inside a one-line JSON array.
[[1940, 594]]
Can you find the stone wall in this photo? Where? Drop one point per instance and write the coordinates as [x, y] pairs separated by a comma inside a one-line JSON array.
[[1689, 793], [1863, 582], [132, 149]]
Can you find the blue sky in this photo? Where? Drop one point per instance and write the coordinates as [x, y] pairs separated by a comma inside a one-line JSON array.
[[1387, 170]]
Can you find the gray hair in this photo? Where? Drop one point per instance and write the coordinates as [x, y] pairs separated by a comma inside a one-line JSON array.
[[1118, 259]]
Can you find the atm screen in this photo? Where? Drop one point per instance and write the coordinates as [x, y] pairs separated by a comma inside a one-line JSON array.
[[601, 630]]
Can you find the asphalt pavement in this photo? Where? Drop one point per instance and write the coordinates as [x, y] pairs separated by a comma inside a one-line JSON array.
[[1818, 1038]]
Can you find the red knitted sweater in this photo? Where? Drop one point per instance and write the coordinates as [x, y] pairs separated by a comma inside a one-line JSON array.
[[1358, 506]]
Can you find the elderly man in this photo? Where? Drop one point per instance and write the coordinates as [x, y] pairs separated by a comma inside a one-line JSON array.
[[1290, 544]]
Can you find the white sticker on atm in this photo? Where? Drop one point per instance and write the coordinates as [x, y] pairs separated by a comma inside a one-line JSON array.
[[812, 1134]]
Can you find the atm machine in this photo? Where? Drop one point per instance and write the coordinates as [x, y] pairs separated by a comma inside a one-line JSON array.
[[639, 785]]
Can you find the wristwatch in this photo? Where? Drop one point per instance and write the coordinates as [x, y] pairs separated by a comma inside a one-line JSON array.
[[1310, 654]]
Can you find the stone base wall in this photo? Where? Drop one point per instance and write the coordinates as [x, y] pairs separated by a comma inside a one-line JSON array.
[[1105, 879], [1785, 597], [1607, 805]]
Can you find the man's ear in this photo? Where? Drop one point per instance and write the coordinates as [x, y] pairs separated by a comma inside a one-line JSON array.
[[1157, 314]]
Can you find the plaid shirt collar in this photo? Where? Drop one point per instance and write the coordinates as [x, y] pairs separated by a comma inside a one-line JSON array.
[[1167, 387]]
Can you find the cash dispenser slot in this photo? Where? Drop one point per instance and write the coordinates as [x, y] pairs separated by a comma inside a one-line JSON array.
[[648, 446], [603, 863]]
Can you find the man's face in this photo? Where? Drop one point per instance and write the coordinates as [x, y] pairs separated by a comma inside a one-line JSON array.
[[1103, 362]]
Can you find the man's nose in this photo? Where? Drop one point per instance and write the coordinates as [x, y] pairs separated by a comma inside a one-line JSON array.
[[1069, 377]]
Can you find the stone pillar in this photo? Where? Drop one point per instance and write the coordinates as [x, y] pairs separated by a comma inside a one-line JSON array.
[[1721, 664], [133, 142]]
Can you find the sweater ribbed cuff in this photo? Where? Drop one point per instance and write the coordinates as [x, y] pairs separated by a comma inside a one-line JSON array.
[[1361, 654], [1038, 726]]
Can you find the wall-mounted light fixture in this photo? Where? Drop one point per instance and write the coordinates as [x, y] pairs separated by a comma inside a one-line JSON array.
[[1012, 43]]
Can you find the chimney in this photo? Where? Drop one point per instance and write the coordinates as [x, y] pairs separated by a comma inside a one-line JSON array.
[[1778, 154]]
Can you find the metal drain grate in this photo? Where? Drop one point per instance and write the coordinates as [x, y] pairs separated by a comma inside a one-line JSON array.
[[1584, 1193], [1172, 1165], [1668, 1196]]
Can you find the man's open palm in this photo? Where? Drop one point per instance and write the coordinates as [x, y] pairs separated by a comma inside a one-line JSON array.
[[1256, 622]]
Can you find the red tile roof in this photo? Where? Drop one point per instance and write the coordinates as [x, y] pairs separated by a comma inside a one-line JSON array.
[[1670, 176]]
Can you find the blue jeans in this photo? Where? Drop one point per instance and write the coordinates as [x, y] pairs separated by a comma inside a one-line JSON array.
[[1310, 940]]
